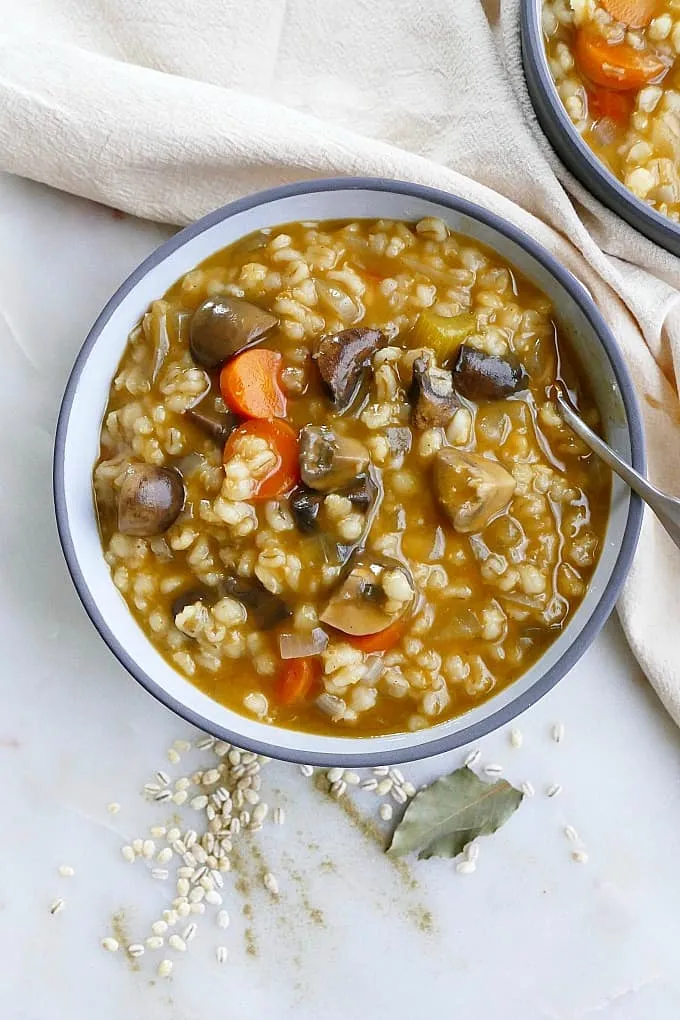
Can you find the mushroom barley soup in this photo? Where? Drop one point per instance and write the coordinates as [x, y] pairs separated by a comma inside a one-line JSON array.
[[333, 489], [615, 66]]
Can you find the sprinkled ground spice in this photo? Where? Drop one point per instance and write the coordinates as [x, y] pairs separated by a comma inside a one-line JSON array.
[[121, 935], [315, 914], [227, 810]]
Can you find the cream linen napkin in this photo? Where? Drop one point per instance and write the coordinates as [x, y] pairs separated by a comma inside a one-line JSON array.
[[167, 109]]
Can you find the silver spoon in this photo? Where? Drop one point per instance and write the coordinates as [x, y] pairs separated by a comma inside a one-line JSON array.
[[666, 508]]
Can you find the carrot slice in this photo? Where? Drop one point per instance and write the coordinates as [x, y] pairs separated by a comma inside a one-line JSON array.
[[619, 67], [282, 441], [380, 642], [297, 679], [634, 13], [618, 106], [250, 384]]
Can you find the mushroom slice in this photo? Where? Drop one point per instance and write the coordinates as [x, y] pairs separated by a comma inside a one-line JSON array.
[[305, 505], [488, 376], [156, 328], [219, 425], [264, 608], [342, 359], [372, 596], [470, 488], [362, 492], [150, 500], [328, 460], [223, 326], [366, 493], [432, 396]]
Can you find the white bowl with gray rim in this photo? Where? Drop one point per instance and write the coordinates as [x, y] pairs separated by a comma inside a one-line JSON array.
[[85, 400], [576, 155]]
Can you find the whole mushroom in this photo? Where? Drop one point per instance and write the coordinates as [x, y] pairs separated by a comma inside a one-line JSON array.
[[223, 326], [150, 499], [487, 376]]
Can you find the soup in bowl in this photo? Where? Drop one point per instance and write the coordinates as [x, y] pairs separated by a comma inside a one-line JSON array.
[[330, 482]]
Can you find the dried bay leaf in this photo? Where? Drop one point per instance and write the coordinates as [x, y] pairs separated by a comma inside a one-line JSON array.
[[447, 815]]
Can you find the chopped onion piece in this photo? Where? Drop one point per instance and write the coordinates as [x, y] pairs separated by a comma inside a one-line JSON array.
[[518, 598], [331, 705], [334, 298], [298, 646], [161, 340], [374, 667]]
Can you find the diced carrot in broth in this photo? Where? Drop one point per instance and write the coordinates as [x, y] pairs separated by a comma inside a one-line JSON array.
[[634, 13], [282, 441], [618, 67], [382, 640], [297, 680], [250, 384], [618, 106]]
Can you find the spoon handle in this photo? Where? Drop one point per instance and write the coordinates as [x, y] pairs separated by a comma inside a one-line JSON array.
[[666, 508]]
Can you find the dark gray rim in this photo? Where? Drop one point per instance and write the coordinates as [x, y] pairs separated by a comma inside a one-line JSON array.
[[571, 148], [601, 611]]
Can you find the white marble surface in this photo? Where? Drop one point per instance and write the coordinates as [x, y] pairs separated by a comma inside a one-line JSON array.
[[530, 935]]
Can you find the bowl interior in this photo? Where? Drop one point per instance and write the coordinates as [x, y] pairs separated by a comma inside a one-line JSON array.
[[87, 394]]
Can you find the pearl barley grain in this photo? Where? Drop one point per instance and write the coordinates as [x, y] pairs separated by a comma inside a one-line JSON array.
[[271, 884], [165, 968], [385, 812], [109, 944], [466, 867]]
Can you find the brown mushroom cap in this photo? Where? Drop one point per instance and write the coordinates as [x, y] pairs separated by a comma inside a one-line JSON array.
[[470, 488], [305, 505], [328, 460], [433, 400], [342, 359], [223, 326], [150, 499], [486, 376]]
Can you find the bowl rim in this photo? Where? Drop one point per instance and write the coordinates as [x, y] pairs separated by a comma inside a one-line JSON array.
[[601, 610], [570, 147]]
